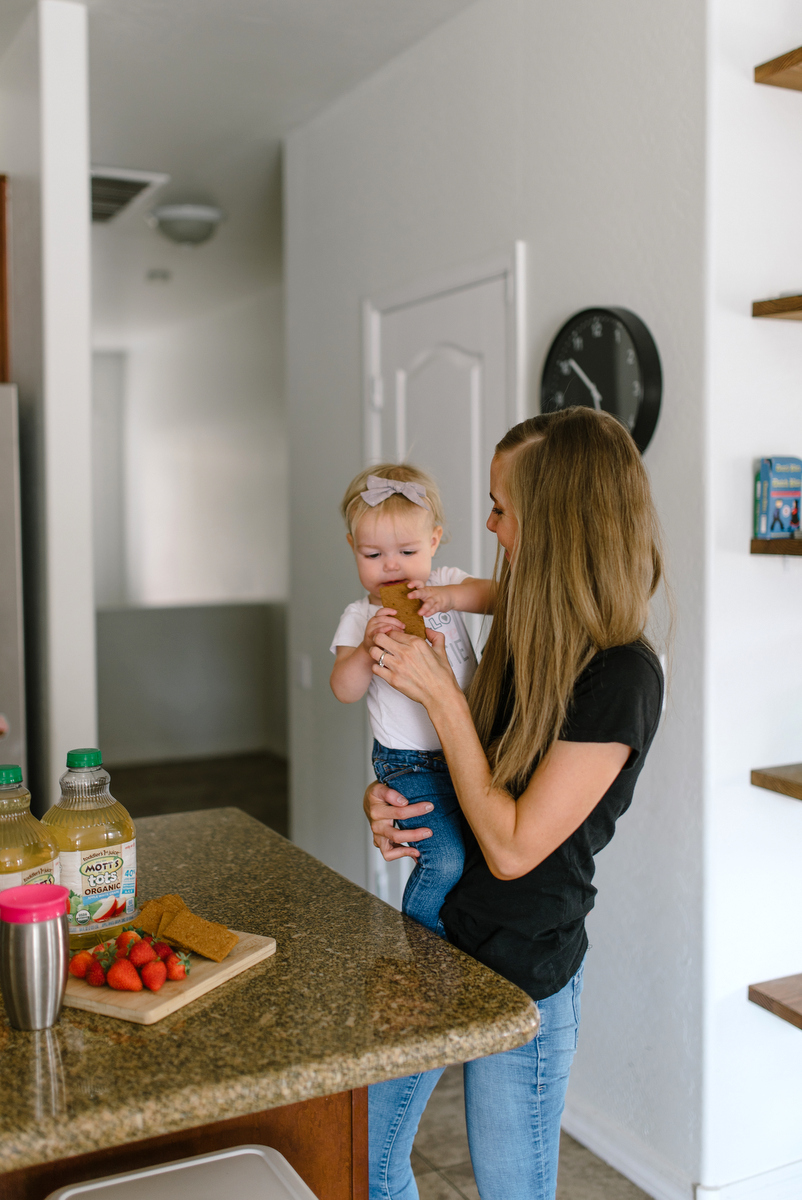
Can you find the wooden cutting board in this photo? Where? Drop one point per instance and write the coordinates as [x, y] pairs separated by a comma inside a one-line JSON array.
[[145, 1008]]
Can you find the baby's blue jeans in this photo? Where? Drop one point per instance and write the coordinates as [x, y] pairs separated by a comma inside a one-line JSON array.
[[423, 775]]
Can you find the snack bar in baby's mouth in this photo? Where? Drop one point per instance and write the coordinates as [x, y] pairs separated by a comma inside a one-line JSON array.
[[396, 595]]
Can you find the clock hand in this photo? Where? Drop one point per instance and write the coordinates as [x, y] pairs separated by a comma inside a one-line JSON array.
[[594, 391]]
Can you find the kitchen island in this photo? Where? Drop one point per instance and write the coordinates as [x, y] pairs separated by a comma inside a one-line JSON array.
[[280, 1055]]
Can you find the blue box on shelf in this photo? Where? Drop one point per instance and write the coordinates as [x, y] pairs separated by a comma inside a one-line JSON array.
[[778, 497]]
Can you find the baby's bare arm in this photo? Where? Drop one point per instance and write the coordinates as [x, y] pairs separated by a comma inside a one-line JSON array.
[[351, 673], [353, 669], [472, 595]]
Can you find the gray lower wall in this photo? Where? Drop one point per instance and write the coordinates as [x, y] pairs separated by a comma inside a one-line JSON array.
[[177, 683]]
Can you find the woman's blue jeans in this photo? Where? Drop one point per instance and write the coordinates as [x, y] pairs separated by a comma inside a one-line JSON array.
[[423, 775], [513, 1105]]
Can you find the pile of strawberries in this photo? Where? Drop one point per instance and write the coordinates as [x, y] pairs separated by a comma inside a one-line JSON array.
[[130, 962]]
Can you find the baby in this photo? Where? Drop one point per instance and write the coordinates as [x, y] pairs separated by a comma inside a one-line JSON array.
[[395, 525]]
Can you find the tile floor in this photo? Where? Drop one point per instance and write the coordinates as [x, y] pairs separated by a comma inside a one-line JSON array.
[[257, 783], [442, 1163]]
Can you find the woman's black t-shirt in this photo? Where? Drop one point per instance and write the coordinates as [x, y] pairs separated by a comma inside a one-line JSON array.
[[531, 930]]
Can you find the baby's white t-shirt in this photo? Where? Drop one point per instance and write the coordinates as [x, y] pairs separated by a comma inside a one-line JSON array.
[[398, 722]]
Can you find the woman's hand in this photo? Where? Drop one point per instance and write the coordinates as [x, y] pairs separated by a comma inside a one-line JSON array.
[[420, 669], [382, 806]]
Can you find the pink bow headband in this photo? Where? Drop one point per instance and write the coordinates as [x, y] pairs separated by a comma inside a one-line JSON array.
[[381, 489]]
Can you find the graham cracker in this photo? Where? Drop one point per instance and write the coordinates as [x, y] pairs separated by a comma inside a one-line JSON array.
[[207, 938], [171, 906], [152, 913], [150, 916], [397, 596]]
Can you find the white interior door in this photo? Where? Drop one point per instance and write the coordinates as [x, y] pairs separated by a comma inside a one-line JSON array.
[[444, 381]]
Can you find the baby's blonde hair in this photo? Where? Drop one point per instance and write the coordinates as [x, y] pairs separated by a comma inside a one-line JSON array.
[[354, 508]]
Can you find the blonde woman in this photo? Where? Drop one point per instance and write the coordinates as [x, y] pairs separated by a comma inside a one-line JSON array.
[[544, 753]]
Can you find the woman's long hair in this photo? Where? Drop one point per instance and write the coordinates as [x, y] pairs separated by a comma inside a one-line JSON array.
[[586, 563]]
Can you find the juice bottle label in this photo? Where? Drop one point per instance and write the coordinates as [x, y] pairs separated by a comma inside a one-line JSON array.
[[45, 873], [102, 886]]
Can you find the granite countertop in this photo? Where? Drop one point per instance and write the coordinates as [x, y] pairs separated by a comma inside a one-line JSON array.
[[355, 993]]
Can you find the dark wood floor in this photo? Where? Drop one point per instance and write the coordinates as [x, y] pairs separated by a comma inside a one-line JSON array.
[[256, 783]]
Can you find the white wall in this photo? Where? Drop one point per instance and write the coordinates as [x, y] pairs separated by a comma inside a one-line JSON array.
[[580, 128], [191, 520], [109, 372], [205, 459], [44, 149], [753, 1106], [203, 427]]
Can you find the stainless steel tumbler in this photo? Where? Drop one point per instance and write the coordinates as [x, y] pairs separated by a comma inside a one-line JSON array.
[[34, 953]]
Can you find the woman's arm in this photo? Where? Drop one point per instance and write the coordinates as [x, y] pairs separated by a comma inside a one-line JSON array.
[[514, 836]]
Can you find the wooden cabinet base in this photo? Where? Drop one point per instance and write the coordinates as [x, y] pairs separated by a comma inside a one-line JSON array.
[[325, 1140]]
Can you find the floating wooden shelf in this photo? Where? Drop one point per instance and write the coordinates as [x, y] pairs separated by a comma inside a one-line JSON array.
[[784, 308], [783, 997], [785, 780], [775, 546], [785, 71]]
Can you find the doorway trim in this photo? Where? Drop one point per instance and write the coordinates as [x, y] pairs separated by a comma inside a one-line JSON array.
[[509, 265]]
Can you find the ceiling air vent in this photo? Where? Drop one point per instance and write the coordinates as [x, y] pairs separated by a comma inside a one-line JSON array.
[[114, 188]]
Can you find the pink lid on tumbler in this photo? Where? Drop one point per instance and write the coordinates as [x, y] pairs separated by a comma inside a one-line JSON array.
[[33, 902]]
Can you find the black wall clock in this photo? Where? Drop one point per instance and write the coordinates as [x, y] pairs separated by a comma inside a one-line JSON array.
[[605, 358]]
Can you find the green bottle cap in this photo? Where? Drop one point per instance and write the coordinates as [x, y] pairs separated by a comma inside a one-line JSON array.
[[10, 774], [78, 759]]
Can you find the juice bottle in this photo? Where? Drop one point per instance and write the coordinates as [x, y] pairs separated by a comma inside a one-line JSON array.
[[28, 851], [97, 841]]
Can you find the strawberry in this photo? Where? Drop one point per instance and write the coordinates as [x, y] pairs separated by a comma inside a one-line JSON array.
[[149, 938], [163, 950], [125, 940], [177, 966], [100, 949], [141, 953], [79, 963], [154, 974], [95, 974], [124, 977]]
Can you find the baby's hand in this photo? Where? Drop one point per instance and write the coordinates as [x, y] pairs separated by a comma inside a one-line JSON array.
[[384, 621], [433, 599]]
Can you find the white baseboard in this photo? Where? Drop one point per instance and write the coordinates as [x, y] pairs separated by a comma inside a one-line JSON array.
[[783, 1183], [628, 1154], [659, 1178]]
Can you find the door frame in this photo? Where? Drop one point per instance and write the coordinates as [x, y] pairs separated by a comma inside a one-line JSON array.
[[5, 319], [509, 265], [387, 880]]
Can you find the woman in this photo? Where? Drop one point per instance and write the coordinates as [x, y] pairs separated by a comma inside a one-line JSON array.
[[544, 753]]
